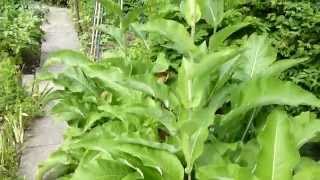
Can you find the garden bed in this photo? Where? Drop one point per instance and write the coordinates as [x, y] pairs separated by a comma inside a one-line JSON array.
[[20, 44], [201, 92]]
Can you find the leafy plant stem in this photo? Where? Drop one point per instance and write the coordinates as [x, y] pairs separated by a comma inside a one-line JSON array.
[[193, 31], [121, 18], [253, 113]]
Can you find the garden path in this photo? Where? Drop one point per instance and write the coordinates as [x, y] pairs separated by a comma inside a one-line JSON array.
[[45, 135]]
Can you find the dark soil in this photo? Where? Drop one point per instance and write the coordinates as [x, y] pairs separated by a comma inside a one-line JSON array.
[[30, 61]]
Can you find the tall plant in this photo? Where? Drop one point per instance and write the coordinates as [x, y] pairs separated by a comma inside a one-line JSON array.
[[126, 123]]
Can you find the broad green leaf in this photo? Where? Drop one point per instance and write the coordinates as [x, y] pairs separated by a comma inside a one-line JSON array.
[[212, 11], [308, 169], [173, 31], [185, 84], [141, 34], [213, 61], [112, 136], [305, 127], [262, 92], [166, 163], [67, 111], [215, 152], [281, 65], [226, 71], [140, 86], [221, 91], [191, 11], [161, 64], [278, 155], [109, 142], [58, 158], [97, 168], [164, 117], [220, 97], [216, 40], [149, 85], [249, 153], [193, 132], [110, 78], [193, 78], [226, 171], [68, 58], [92, 118], [191, 88], [257, 57], [269, 90], [76, 80]]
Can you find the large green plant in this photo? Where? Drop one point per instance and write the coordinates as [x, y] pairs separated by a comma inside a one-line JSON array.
[[128, 122]]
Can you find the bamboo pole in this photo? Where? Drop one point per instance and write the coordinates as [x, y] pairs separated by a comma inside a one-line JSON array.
[[93, 29]]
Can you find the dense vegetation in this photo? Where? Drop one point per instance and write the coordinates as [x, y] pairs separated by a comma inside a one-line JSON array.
[[62, 3], [16, 109], [20, 38], [189, 91], [293, 28]]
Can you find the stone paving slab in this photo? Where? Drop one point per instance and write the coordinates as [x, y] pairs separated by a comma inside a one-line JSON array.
[[45, 134]]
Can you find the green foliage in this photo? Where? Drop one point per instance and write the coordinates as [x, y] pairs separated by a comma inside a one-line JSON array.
[[16, 109], [20, 36], [56, 2], [133, 117], [293, 28], [116, 118], [24, 33], [198, 108], [277, 147], [273, 155]]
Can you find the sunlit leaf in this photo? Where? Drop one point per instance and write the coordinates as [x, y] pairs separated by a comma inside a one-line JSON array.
[[278, 155]]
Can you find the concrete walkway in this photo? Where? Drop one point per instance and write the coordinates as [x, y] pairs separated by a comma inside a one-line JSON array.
[[45, 135]]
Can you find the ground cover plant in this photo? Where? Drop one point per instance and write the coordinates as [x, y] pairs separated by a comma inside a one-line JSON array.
[[20, 37], [212, 115], [21, 40], [16, 109]]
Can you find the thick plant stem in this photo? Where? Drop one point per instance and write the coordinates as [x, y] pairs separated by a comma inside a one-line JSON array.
[[121, 4], [121, 7], [189, 176], [193, 31]]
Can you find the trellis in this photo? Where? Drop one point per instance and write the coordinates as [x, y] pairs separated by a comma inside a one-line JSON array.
[[95, 48], [96, 33]]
